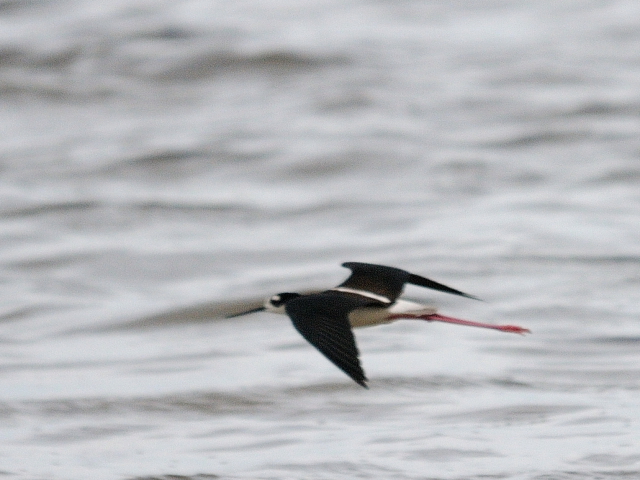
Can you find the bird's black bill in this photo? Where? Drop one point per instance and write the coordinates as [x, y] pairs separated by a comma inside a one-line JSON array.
[[253, 310], [425, 282]]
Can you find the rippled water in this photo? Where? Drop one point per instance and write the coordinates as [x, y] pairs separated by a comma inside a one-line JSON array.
[[164, 163]]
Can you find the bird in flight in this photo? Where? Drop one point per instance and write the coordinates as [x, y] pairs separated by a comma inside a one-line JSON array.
[[370, 296]]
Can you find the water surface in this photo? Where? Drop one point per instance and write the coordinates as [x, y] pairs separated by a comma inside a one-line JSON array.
[[163, 163]]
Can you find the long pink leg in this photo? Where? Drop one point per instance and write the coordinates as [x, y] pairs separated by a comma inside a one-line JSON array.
[[434, 317]]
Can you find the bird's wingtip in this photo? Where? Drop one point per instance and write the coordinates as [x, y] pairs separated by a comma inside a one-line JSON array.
[[473, 297]]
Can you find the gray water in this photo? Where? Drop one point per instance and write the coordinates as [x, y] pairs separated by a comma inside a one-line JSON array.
[[163, 163]]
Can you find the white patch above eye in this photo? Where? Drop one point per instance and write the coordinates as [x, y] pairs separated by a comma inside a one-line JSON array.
[[276, 298]]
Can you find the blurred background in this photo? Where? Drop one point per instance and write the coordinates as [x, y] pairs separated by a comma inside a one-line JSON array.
[[163, 163]]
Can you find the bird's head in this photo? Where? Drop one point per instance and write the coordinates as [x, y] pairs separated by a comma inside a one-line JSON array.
[[273, 304], [277, 302]]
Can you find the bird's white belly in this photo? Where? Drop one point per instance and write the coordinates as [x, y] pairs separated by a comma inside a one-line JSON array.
[[367, 317]]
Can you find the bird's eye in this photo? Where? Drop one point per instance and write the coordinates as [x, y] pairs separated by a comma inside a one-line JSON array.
[[276, 300]]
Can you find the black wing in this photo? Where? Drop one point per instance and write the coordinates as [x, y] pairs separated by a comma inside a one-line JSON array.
[[386, 281], [389, 281], [323, 320], [425, 282]]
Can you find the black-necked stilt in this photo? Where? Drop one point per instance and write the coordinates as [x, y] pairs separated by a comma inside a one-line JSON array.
[[368, 297]]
